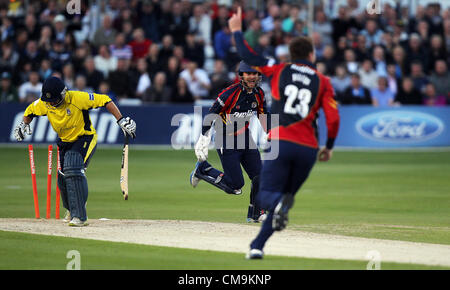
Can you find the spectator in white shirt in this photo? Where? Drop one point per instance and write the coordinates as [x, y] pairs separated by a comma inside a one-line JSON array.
[[104, 62], [200, 24], [197, 80], [144, 81], [31, 90], [267, 23], [369, 77]]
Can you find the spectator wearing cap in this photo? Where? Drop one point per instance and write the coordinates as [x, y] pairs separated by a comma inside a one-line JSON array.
[[30, 91], [105, 34], [8, 92], [282, 53], [382, 95], [356, 93], [59, 25]]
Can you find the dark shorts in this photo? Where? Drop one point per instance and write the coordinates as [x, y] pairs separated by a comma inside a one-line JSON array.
[[85, 145]]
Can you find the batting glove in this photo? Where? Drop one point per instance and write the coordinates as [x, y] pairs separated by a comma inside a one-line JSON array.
[[201, 147], [128, 126], [21, 130]]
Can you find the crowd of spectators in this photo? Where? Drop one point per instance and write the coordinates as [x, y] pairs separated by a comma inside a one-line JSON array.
[[181, 51]]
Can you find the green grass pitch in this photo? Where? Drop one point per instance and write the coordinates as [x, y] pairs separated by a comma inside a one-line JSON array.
[[396, 195]]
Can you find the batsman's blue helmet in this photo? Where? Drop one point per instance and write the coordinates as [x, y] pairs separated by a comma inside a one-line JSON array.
[[243, 67], [53, 90]]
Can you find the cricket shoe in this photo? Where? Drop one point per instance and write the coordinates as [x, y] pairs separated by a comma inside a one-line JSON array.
[[76, 222], [256, 218], [237, 192], [194, 179], [280, 214], [254, 254], [67, 217]]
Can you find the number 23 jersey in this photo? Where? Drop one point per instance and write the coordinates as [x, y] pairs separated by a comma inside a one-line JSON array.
[[298, 92]]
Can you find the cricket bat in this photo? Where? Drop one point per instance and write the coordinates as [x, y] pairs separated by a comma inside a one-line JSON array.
[[124, 169]]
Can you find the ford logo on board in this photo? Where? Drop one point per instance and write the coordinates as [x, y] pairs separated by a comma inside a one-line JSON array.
[[399, 126]]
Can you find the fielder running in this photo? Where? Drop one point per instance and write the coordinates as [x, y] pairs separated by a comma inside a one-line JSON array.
[[67, 112], [234, 108], [298, 92]]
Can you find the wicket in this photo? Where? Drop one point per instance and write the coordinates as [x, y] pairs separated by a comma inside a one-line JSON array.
[[49, 182]]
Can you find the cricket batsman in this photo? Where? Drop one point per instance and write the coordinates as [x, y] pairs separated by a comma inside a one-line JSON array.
[[234, 108], [68, 113]]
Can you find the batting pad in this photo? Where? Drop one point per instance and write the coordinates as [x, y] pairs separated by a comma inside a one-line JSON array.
[[76, 184]]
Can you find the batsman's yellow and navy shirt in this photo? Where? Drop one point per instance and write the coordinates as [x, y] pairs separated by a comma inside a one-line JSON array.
[[70, 120]]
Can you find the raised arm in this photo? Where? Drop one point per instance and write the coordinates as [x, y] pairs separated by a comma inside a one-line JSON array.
[[247, 54]]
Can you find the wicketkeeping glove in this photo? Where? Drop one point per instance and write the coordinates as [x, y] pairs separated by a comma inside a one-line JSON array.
[[21, 130], [201, 147], [128, 126]]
